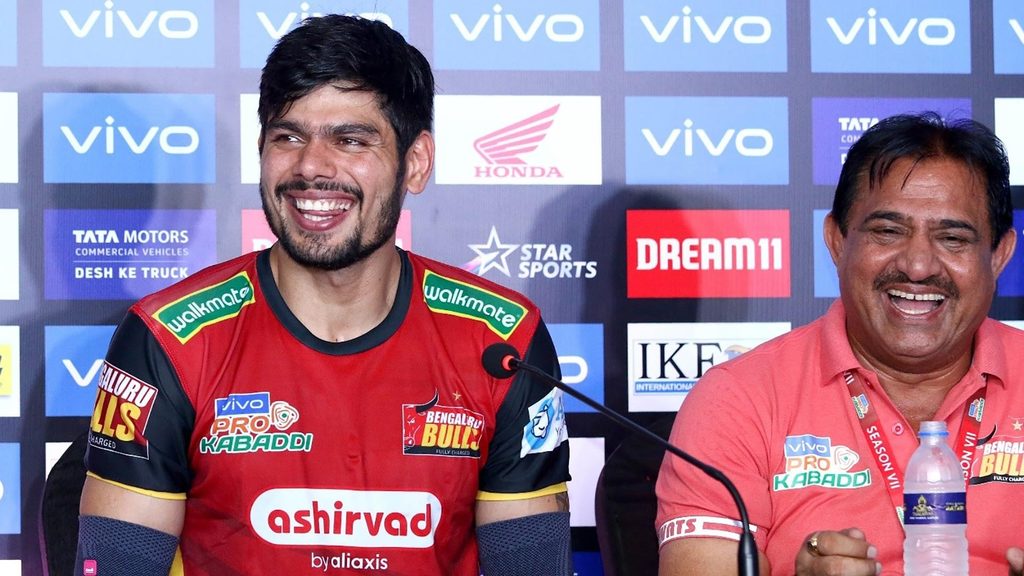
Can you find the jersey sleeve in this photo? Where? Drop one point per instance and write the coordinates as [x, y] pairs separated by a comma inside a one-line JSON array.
[[724, 423], [530, 448], [142, 421]]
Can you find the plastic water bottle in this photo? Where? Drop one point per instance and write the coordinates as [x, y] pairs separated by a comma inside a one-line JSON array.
[[935, 508]]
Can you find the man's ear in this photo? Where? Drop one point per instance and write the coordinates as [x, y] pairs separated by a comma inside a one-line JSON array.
[[419, 162], [1003, 252], [834, 238]]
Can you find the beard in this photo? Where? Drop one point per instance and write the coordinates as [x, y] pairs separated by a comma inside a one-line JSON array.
[[313, 250]]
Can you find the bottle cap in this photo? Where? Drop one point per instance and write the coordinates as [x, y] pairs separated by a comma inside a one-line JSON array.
[[933, 428]]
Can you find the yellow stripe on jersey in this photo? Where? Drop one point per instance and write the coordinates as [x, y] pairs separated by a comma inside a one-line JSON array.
[[143, 491], [496, 496]]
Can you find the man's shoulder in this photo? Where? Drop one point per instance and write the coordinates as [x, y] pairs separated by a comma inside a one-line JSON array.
[[225, 282], [434, 272]]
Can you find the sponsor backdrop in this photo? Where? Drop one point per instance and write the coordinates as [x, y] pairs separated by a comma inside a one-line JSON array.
[[653, 173]]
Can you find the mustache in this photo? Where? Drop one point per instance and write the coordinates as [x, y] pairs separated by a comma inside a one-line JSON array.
[[322, 185], [887, 279]]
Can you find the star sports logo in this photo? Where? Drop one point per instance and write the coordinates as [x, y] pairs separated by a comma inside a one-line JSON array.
[[490, 256], [535, 260]]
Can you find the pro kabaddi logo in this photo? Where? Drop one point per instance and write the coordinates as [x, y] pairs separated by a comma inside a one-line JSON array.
[[186, 316], [253, 423], [432, 430], [448, 296], [814, 461], [123, 406]]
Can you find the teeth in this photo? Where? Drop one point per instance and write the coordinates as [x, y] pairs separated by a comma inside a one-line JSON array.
[[322, 204], [919, 297]]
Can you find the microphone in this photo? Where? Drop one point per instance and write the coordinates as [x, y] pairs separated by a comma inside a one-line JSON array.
[[501, 360]]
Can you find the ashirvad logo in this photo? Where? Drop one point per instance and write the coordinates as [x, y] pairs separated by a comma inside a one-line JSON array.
[[839, 123], [10, 255], [826, 280], [263, 22], [701, 140], [124, 254], [892, 37], [9, 33], [1011, 281], [666, 360], [518, 140], [705, 35], [10, 371], [707, 254], [9, 140], [129, 138], [124, 34], [10, 488], [74, 358], [517, 35], [186, 316], [1008, 36], [581, 360], [1009, 126]]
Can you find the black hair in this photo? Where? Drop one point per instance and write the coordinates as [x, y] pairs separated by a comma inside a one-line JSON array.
[[921, 137]]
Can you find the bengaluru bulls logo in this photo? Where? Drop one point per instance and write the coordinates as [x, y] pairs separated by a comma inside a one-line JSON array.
[[433, 430]]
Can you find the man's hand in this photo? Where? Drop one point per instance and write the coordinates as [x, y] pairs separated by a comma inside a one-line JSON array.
[[833, 553], [1015, 556]]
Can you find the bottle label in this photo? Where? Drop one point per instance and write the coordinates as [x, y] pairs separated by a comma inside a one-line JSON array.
[[935, 508]]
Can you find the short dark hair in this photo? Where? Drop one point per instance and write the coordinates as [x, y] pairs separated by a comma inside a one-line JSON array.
[[927, 136], [358, 54]]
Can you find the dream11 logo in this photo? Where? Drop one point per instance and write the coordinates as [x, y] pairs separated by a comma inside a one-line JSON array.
[[707, 254], [157, 33]]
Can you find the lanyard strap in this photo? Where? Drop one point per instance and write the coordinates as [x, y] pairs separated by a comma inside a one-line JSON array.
[[885, 458]]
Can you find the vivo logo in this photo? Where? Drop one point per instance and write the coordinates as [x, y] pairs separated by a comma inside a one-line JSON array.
[[749, 142], [930, 31], [82, 380], [808, 444], [238, 404], [744, 29], [171, 139], [171, 24], [1017, 29], [278, 29], [574, 369], [556, 27]]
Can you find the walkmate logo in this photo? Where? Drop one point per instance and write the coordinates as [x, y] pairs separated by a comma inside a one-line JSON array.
[[433, 430], [447, 296], [251, 422], [545, 429], [707, 253], [186, 316], [517, 35], [667, 359], [813, 461], [123, 406], [1008, 36], [122, 33], [536, 260], [129, 138], [519, 140], [1001, 458], [893, 37], [350, 518], [705, 35], [702, 140], [263, 22]]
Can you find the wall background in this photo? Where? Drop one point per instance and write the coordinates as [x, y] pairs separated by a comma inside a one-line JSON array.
[[666, 216]]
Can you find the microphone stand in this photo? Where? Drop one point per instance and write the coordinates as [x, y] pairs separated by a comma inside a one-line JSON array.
[[747, 553]]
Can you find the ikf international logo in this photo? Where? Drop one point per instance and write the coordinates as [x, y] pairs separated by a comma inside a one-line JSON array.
[[705, 35], [666, 360], [128, 138], [74, 357], [9, 138], [10, 488], [10, 372], [517, 35], [263, 22], [10, 247], [867, 36], [9, 33], [839, 122], [123, 33], [518, 140], [700, 140], [1008, 36], [707, 254], [1009, 126], [124, 254], [581, 359]]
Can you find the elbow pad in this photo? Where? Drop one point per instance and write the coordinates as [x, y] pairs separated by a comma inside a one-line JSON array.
[[112, 546]]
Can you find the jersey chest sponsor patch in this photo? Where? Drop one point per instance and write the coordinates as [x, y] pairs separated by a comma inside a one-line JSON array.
[[252, 422], [186, 316], [433, 430], [815, 461], [448, 296]]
